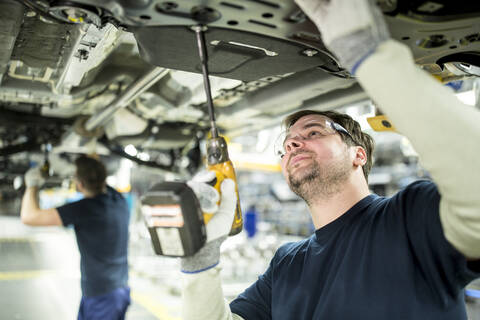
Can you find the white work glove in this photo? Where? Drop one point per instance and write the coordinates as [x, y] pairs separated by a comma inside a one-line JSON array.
[[207, 195], [218, 227], [351, 29], [33, 178]]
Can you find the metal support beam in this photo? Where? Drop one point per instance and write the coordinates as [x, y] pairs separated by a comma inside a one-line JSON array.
[[136, 88]]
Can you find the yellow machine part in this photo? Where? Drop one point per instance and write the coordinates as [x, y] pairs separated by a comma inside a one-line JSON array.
[[381, 123], [225, 170]]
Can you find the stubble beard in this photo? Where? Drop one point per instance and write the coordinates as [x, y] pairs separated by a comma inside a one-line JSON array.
[[320, 183]]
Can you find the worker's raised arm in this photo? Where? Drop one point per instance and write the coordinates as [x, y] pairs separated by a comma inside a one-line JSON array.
[[30, 212], [444, 131], [202, 294]]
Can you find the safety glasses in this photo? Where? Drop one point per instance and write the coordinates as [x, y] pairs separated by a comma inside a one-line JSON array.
[[314, 130]]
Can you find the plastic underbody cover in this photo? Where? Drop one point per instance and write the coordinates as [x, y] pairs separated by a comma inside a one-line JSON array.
[[232, 54], [246, 40]]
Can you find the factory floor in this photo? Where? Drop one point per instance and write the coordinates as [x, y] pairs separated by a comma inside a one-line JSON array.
[[40, 278]]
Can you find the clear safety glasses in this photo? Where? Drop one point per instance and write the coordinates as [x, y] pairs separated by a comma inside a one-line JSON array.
[[310, 131]]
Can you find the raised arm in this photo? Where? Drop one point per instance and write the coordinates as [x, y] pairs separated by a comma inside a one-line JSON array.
[[30, 212], [202, 295], [444, 131]]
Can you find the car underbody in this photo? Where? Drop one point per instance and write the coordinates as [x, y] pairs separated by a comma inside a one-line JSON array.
[[97, 76]]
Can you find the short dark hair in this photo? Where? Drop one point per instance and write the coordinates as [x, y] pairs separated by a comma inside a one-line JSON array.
[[91, 173], [360, 138]]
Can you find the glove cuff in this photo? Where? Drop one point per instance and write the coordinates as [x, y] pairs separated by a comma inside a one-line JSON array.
[[354, 48], [207, 258]]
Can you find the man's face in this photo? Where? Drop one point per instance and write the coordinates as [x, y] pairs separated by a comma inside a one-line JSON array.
[[314, 166]]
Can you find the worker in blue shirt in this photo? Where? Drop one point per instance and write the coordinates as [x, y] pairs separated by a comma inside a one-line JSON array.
[[100, 221], [404, 257]]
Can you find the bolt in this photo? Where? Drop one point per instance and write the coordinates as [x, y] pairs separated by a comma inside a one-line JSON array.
[[309, 52], [201, 28], [386, 124]]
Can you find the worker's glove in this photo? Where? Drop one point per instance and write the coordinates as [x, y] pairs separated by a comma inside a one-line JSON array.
[[351, 29], [207, 196], [218, 227], [33, 178]]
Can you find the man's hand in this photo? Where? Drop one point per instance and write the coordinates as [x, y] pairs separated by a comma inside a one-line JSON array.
[[30, 212], [218, 227], [351, 29], [33, 178]]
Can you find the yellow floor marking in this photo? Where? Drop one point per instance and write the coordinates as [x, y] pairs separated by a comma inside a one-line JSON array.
[[16, 240], [159, 311], [152, 306], [20, 275]]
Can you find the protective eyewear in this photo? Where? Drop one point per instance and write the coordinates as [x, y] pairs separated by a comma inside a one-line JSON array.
[[310, 131]]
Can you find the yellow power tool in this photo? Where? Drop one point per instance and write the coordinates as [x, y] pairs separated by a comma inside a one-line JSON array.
[[172, 212], [217, 152]]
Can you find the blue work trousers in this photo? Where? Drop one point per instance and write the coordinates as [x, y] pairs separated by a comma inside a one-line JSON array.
[[109, 306]]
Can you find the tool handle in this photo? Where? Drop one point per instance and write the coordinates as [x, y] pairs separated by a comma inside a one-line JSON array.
[[45, 170], [225, 170]]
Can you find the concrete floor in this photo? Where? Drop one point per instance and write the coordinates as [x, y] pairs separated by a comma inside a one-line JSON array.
[[40, 279], [473, 309]]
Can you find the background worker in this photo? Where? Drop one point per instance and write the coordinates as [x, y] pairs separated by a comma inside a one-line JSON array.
[[100, 221], [405, 257]]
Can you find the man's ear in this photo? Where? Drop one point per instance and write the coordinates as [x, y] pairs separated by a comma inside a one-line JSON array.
[[360, 156], [79, 186]]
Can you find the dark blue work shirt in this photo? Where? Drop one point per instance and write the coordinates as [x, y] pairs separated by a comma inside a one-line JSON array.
[[101, 228], [385, 258]]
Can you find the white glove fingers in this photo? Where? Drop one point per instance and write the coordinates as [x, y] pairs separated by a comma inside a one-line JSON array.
[[205, 176], [352, 30], [229, 196], [207, 196], [355, 16], [221, 222], [33, 177]]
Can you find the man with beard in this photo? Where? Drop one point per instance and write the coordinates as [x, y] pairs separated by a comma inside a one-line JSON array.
[[322, 172], [405, 257]]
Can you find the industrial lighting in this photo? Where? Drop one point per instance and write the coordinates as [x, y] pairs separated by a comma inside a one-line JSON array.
[[360, 112], [111, 180], [467, 97], [131, 150], [143, 156]]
